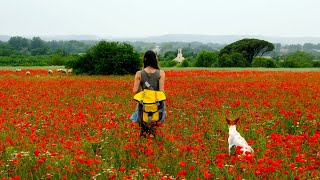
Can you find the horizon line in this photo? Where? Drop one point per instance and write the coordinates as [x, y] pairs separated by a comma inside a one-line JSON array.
[[173, 34]]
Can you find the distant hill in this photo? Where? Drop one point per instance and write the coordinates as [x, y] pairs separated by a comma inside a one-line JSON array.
[[71, 37], [222, 39], [219, 39], [59, 37]]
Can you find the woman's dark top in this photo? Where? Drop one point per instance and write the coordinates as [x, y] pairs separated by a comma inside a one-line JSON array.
[[152, 78]]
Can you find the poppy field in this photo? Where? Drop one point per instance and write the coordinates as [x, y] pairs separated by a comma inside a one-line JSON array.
[[62, 126]]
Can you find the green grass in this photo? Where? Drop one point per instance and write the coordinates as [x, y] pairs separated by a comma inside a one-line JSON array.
[[30, 67]]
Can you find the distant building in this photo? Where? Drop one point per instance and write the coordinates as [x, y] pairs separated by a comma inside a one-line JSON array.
[[179, 57]]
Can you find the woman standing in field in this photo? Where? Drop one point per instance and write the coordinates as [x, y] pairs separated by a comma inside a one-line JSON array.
[[149, 76]]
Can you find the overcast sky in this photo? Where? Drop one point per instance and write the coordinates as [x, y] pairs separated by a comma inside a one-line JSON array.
[[141, 18]]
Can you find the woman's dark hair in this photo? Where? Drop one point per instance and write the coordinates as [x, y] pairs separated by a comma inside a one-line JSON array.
[[150, 59]]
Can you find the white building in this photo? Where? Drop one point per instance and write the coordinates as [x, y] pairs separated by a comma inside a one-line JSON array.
[[179, 57]]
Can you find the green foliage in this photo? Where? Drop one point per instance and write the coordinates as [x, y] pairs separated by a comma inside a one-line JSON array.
[[43, 60], [37, 46], [6, 50], [70, 46], [263, 62], [224, 61], [24, 51], [170, 55], [107, 58], [206, 59], [171, 63], [316, 63], [293, 47], [189, 49], [39, 51], [249, 48], [57, 59], [184, 63], [232, 60], [37, 43], [160, 57], [188, 52], [19, 43], [298, 59], [61, 52]]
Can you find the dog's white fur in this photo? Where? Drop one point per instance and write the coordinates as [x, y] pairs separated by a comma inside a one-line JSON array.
[[235, 139]]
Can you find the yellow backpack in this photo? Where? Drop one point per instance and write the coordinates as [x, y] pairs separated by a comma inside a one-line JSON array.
[[150, 105]]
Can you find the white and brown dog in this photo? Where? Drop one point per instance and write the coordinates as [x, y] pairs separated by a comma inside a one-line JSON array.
[[236, 140]]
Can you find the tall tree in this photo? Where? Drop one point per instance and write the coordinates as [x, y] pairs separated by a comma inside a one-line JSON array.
[[19, 43], [38, 46], [37, 42], [249, 48]]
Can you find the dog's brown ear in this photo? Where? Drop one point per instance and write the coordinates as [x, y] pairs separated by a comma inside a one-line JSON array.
[[236, 120], [228, 121]]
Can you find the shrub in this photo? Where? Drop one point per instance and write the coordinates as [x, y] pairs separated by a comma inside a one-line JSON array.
[[107, 58], [171, 63], [232, 60], [298, 59], [316, 63], [184, 63], [206, 59], [263, 62]]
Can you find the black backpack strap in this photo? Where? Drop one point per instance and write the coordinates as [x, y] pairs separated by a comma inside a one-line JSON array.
[[149, 119], [140, 114], [148, 85], [160, 107]]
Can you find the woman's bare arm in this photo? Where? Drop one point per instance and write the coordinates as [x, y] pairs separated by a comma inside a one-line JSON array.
[[161, 81], [136, 85]]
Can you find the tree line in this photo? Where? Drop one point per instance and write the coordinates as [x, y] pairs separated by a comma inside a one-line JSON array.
[[249, 53], [20, 51], [37, 46]]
